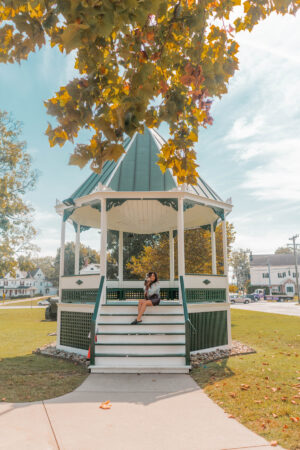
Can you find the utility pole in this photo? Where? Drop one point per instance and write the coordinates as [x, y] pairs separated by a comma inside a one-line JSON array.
[[269, 271], [293, 238]]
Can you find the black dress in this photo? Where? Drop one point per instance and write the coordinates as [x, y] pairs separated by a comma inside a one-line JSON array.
[[154, 298]]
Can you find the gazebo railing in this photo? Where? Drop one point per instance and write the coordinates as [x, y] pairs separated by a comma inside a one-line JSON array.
[[94, 320], [193, 295], [188, 324]]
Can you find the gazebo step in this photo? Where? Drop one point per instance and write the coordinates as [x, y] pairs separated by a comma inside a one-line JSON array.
[[143, 327], [140, 360], [136, 349], [140, 369], [147, 318], [140, 338]]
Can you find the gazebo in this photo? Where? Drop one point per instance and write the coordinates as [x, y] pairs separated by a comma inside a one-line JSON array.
[[133, 195]]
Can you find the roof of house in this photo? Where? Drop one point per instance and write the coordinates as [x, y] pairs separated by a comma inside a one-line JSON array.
[[32, 273], [280, 259], [137, 170]]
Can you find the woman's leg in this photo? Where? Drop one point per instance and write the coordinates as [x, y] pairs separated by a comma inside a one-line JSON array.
[[141, 301], [143, 308]]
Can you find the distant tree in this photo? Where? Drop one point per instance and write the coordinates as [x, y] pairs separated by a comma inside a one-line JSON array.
[[86, 253], [198, 258], [241, 267], [283, 250], [16, 178], [233, 288], [25, 263]]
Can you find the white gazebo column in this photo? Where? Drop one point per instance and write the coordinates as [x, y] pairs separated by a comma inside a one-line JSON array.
[[103, 262], [77, 250], [171, 253], [120, 274], [224, 231], [213, 250], [180, 241], [62, 253]]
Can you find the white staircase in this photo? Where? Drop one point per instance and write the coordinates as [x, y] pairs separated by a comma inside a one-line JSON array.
[[157, 345]]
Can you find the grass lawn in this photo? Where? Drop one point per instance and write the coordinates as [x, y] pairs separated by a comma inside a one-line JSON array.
[[25, 376], [33, 302], [261, 390]]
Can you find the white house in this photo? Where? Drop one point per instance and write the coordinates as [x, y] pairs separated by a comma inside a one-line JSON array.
[[275, 271], [26, 284]]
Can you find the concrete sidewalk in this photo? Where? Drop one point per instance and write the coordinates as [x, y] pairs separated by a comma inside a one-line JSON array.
[[149, 412]]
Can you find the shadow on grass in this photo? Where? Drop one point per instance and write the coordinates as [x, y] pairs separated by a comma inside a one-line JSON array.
[[211, 372], [34, 377]]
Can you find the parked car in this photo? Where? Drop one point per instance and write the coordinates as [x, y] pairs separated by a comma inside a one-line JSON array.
[[240, 299], [44, 302], [253, 297]]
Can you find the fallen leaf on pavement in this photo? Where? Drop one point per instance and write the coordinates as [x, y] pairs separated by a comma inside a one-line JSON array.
[[273, 443], [105, 405]]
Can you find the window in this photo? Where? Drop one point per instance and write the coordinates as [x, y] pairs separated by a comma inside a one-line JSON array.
[[281, 274], [21, 283], [5, 283], [289, 289], [294, 275], [265, 275]]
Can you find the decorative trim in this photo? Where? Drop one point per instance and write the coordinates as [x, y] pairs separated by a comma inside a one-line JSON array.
[[79, 282], [204, 281], [112, 202], [173, 202], [219, 212], [69, 201], [67, 213], [82, 227]]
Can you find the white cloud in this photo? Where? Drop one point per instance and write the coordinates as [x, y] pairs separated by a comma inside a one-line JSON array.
[[243, 129], [279, 177]]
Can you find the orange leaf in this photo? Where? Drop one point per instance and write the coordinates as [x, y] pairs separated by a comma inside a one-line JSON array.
[[294, 419], [273, 443]]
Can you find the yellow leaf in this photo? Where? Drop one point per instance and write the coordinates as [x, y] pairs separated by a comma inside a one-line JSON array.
[[193, 137]]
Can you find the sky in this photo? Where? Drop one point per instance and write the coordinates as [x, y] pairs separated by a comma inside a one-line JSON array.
[[250, 153]]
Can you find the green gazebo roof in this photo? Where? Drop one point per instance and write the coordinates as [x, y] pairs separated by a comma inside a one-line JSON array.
[[137, 170]]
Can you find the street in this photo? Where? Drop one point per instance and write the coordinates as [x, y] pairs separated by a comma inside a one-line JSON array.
[[289, 309]]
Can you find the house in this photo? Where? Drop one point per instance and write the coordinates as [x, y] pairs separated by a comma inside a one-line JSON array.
[[26, 284], [274, 271]]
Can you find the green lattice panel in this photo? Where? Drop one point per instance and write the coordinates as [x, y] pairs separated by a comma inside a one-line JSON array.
[[211, 330], [205, 295], [79, 295], [89, 295], [74, 329]]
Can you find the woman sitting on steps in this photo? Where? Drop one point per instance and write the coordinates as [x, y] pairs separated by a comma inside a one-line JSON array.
[[151, 294]]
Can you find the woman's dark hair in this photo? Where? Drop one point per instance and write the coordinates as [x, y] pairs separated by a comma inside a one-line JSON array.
[[149, 275]]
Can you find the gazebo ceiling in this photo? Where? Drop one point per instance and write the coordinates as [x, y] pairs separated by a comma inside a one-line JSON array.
[[144, 216]]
